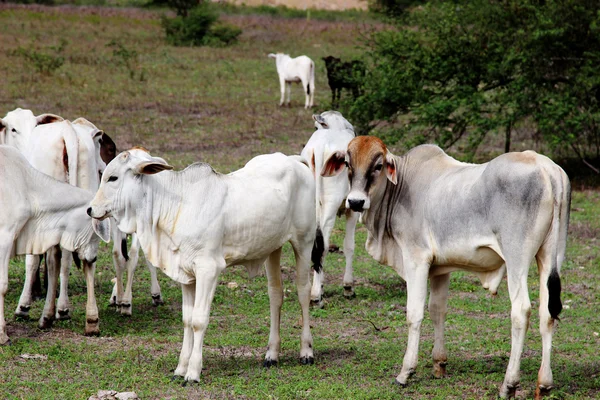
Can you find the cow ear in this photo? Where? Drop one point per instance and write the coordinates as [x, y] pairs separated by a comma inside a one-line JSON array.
[[108, 148], [2, 131], [48, 119], [151, 167], [320, 120], [334, 164], [102, 228], [391, 170], [271, 55]]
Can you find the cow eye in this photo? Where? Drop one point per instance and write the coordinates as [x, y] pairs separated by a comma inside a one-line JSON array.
[[14, 130], [346, 164], [112, 179], [378, 167]]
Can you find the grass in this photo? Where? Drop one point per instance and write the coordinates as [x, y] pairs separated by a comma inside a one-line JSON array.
[[220, 106]]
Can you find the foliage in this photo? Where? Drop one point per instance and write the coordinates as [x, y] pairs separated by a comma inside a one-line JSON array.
[[181, 7], [198, 28], [462, 69], [45, 61]]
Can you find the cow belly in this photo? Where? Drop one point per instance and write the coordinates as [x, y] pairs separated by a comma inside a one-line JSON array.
[[479, 259]]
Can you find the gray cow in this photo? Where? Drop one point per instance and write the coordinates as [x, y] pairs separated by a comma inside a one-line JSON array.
[[428, 215]]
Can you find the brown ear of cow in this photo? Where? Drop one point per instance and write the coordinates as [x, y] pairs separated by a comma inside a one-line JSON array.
[[334, 164], [151, 168], [43, 119]]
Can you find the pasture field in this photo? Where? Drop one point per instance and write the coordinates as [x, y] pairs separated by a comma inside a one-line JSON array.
[[220, 106]]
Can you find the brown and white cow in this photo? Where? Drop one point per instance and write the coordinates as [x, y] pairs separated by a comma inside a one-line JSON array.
[[428, 215]]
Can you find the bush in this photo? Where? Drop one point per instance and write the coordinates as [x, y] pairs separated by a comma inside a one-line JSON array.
[[198, 28], [45, 61]]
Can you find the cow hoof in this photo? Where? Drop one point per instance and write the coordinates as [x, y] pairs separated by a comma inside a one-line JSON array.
[[45, 323], [157, 300], [190, 382], [177, 378], [542, 391], [317, 303], [307, 360], [125, 309], [508, 391], [398, 383], [63, 315], [268, 363], [92, 327], [439, 369], [22, 313], [4, 340], [349, 292]]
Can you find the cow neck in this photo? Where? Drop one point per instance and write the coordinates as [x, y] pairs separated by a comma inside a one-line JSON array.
[[379, 217]]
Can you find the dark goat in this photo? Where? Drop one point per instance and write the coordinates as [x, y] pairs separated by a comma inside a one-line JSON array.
[[343, 74]]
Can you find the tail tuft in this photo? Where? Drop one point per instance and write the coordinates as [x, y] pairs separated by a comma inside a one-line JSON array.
[[124, 249], [554, 288], [308, 89], [318, 251]]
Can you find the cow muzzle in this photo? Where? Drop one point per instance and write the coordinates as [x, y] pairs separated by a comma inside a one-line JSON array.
[[96, 214], [357, 202]]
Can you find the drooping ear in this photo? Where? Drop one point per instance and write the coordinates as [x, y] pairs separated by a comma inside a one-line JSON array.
[[108, 148], [102, 228], [334, 164], [391, 168], [151, 167], [48, 119]]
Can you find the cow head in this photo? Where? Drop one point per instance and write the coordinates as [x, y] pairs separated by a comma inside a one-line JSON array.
[[332, 120], [331, 61], [121, 187], [17, 125], [369, 164]]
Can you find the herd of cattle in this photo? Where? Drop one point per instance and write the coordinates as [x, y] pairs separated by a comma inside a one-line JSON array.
[[426, 213]]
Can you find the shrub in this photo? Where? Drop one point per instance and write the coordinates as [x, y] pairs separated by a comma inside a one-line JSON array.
[[198, 28], [45, 61]]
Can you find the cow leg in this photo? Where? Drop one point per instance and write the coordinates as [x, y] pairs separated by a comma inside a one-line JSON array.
[[273, 269], [188, 293], [438, 307], [289, 93], [328, 214], [206, 282], [348, 282], [92, 324], [416, 287], [545, 265], [63, 307], [127, 299], [31, 266], [520, 312], [53, 259], [119, 262], [302, 252], [154, 286], [4, 260]]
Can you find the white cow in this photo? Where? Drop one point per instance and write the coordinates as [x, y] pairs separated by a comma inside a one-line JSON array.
[[333, 134], [38, 212], [194, 223], [299, 69], [428, 215], [122, 258], [70, 152]]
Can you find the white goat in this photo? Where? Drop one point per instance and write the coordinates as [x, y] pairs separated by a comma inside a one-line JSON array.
[[299, 69]]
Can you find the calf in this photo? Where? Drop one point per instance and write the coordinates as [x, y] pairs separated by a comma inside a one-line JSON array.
[[428, 215], [194, 223], [343, 74], [38, 212], [299, 69], [333, 134]]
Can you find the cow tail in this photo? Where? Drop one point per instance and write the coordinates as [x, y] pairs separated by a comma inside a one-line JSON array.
[[562, 207], [311, 78], [318, 251], [71, 155]]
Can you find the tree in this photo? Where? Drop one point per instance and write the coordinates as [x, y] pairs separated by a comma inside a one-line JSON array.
[[455, 70]]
